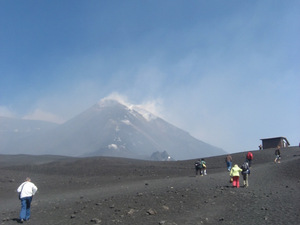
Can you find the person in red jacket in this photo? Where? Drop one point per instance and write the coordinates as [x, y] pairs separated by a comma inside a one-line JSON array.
[[249, 158]]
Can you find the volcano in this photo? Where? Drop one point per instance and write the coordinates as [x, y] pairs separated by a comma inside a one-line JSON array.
[[110, 128]]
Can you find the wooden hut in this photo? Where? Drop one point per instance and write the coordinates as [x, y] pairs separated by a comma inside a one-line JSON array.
[[274, 142]]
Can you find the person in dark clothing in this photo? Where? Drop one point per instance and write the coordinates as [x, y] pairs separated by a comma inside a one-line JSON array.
[[198, 167], [245, 172], [278, 155]]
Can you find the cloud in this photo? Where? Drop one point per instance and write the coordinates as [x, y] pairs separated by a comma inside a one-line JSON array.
[[6, 112], [39, 114], [118, 97], [153, 106]]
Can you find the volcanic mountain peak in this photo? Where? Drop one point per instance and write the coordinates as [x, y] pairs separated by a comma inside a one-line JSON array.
[[133, 109], [111, 128]]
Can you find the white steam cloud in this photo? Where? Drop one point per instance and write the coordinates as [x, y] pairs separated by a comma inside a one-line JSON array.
[[153, 106]]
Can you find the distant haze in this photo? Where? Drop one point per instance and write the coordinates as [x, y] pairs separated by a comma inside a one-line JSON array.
[[108, 128]]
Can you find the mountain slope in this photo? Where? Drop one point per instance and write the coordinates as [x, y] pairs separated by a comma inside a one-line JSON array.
[[110, 128]]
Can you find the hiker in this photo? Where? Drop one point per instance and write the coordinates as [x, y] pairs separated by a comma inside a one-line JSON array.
[[249, 158], [203, 167], [26, 191], [198, 167], [228, 161], [245, 172], [235, 174], [278, 155], [260, 147]]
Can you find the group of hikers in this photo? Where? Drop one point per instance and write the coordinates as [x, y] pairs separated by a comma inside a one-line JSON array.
[[234, 171], [200, 168]]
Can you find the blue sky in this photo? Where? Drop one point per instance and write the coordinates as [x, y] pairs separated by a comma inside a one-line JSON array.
[[225, 71]]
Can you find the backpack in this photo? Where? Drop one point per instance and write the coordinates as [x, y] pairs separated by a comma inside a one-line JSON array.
[[250, 156], [245, 167], [203, 164]]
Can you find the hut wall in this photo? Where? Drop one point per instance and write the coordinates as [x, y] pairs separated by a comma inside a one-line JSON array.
[[272, 143]]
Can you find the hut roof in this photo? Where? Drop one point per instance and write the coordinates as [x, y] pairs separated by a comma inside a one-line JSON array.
[[284, 138]]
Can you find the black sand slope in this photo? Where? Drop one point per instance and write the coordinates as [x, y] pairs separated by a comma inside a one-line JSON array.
[[126, 191]]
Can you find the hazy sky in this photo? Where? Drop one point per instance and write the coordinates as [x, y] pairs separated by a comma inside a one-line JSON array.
[[225, 71]]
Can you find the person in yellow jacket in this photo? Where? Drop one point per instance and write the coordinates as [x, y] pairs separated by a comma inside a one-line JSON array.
[[235, 174]]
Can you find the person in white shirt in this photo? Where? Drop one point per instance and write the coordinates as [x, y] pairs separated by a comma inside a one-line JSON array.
[[26, 191]]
